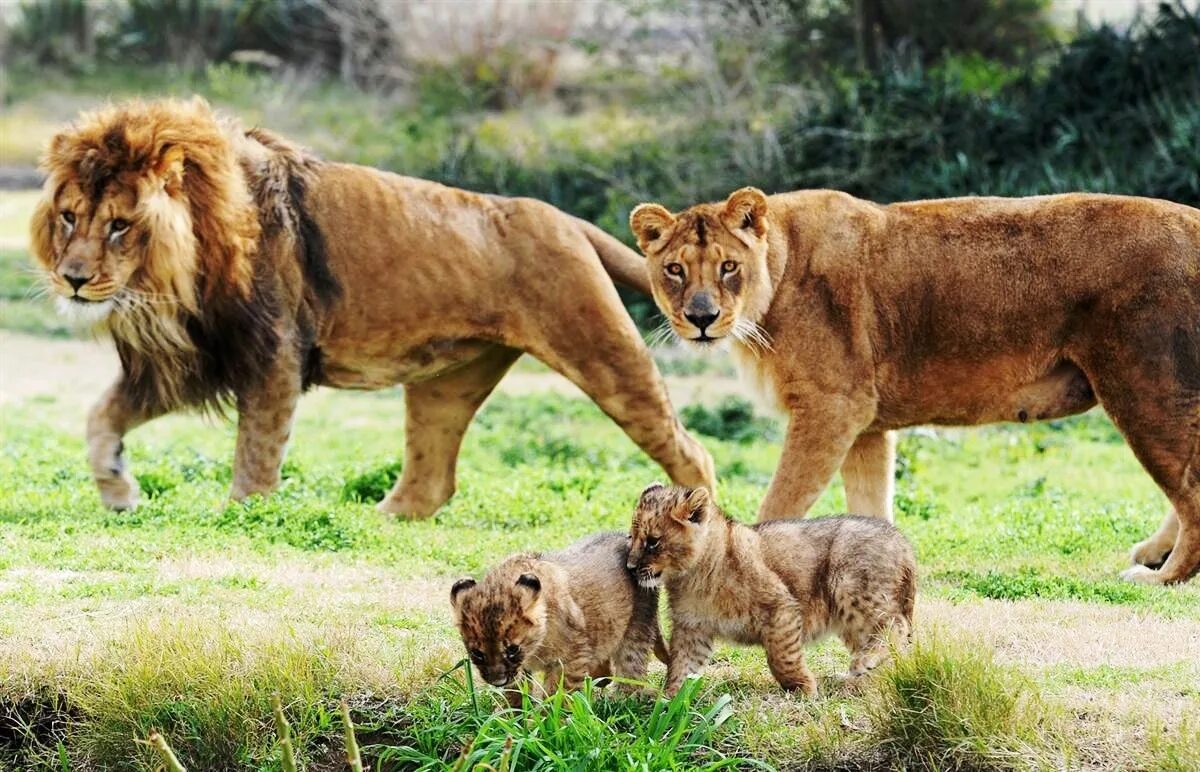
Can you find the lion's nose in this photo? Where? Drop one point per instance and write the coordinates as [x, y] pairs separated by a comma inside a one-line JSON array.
[[702, 320], [75, 280]]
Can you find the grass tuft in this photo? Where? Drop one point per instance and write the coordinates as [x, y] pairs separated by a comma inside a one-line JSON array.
[[949, 706], [455, 724]]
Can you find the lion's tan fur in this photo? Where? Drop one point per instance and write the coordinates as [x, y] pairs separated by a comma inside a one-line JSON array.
[[863, 319], [236, 269]]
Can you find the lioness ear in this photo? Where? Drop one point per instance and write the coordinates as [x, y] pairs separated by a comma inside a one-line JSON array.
[[169, 168], [455, 591], [746, 210], [649, 223]]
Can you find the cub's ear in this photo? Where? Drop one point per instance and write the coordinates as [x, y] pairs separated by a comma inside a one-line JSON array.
[[649, 223], [654, 486], [746, 210], [695, 506], [455, 591], [531, 585]]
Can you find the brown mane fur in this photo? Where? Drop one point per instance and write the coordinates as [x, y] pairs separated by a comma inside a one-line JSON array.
[[200, 315]]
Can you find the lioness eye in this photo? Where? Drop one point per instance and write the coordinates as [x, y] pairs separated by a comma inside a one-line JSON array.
[[512, 652], [728, 267], [118, 226], [675, 269], [68, 218]]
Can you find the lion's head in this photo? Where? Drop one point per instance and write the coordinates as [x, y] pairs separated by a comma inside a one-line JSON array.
[[708, 265], [148, 228]]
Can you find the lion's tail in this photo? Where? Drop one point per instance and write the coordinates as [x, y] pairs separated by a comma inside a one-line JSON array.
[[625, 266]]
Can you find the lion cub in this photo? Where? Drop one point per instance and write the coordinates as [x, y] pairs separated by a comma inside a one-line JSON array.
[[571, 613], [781, 583]]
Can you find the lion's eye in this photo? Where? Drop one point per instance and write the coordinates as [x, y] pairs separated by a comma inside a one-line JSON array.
[[512, 653], [68, 218], [728, 267], [477, 656], [118, 226], [651, 545], [675, 269]]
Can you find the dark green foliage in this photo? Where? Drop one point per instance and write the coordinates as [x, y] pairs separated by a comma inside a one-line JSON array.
[[372, 485], [733, 419]]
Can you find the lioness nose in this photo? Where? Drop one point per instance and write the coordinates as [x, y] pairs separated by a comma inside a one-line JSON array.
[[76, 281], [702, 320]]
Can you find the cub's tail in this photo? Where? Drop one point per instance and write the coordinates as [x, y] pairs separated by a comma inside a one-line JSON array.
[[625, 266]]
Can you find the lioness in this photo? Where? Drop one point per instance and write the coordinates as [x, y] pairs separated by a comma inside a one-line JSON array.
[[232, 267], [862, 319]]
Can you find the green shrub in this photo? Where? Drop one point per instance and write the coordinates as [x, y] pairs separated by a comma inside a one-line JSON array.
[[732, 419]]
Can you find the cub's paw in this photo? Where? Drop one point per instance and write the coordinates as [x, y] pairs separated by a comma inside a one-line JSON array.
[[1142, 575], [120, 492]]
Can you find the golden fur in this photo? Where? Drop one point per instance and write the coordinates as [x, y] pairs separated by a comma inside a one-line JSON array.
[[233, 268], [569, 614], [781, 584], [861, 319]]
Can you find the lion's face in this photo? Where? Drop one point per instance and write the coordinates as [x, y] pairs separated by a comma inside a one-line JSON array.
[[96, 247], [501, 623], [708, 265]]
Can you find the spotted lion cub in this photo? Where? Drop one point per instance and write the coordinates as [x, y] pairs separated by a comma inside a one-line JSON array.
[[781, 584], [569, 614]]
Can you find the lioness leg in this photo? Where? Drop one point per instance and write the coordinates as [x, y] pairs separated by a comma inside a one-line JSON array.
[[816, 444], [1151, 389], [112, 416], [438, 412], [869, 474]]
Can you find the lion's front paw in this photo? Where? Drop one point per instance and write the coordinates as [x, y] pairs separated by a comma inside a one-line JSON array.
[[1142, 575], [409, 506], [119, 492]]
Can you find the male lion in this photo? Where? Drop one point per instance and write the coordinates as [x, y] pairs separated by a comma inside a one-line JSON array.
[[864, 319], [231, 267]]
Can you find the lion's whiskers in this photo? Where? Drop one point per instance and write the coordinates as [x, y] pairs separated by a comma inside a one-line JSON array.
[[753, 336]]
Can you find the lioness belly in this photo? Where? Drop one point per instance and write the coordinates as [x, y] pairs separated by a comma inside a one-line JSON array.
[[957, 395], [382, 366]]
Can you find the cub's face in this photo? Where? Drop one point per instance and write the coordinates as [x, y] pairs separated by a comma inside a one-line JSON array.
[[666, 538], [501, 624], [708, 265]]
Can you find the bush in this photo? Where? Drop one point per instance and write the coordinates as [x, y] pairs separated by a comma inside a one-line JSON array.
[[732, 419]]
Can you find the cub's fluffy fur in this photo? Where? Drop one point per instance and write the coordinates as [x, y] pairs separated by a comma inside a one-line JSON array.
[[569, 614], [780, 584]]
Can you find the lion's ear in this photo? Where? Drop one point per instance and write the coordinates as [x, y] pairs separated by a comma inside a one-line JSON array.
[[695, 506], [650, 222], [746, 210], [169, 169]]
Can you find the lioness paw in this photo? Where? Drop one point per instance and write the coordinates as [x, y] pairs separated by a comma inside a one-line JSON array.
[[1142, 575]]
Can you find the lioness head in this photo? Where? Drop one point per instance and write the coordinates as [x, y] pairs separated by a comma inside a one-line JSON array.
[[667, 534], [501, 622], [708, 265], [140, 200]]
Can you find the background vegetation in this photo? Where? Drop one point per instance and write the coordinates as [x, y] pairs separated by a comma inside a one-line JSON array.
[[189, 613]]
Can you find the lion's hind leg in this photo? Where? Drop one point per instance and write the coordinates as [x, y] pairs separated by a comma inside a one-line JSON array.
[[437, 413]]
